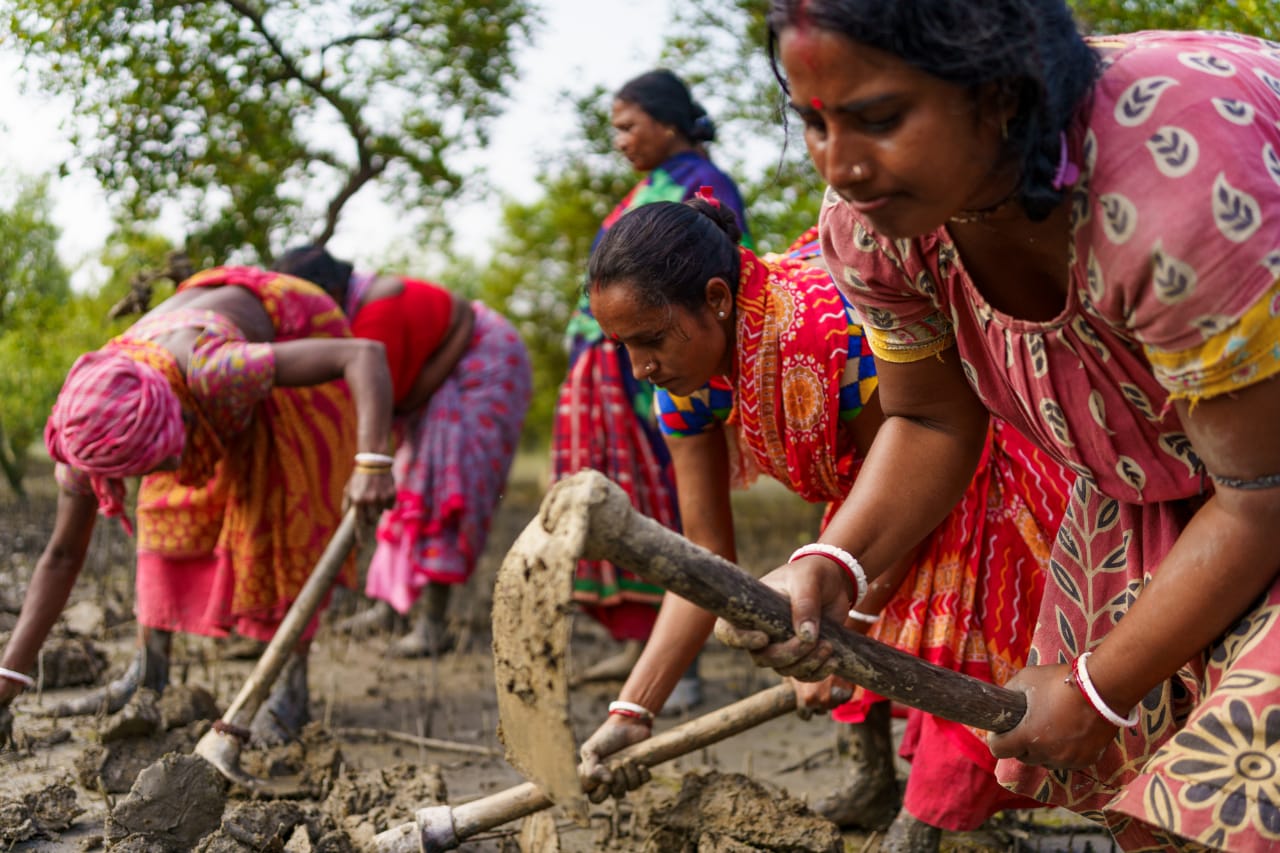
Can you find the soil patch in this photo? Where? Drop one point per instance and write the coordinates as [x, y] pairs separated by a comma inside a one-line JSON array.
[[362, 785]]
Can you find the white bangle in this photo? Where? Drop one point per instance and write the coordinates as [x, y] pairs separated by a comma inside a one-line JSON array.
[[366, 458], [859, 616], [850, 564], [1091, 693], [20, 677], [631, 709]]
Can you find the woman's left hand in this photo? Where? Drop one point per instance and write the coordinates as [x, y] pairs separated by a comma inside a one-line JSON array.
[[1060, 729], [824, 695], [372, 493]]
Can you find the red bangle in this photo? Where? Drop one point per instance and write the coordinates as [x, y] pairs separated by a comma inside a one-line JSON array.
[[1080, 670]]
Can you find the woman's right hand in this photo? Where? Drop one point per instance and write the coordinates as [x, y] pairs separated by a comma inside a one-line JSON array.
[[372, 493], [816, 587], [598, 780]]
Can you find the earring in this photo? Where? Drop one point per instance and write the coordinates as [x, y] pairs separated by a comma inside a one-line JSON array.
[[1004, 128], [721, 315]]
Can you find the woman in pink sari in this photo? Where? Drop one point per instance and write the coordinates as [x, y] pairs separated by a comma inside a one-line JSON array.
[[233, 400], [462, 384], [1080, 237]]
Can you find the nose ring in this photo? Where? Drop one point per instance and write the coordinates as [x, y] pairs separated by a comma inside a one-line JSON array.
[[648, 367], [858, 172]]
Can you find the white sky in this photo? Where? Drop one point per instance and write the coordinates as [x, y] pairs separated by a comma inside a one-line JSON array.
[[582, 43]]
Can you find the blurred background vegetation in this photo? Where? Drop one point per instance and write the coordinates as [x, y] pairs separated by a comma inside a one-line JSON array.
[[214, 109]]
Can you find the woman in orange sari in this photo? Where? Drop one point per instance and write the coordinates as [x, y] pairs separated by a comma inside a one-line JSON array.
[[762, 368], [225, 400]]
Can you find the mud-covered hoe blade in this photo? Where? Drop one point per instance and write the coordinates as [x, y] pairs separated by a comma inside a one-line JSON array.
[[532, 624]]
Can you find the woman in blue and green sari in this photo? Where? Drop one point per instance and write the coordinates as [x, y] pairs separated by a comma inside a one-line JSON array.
[[604, 414]]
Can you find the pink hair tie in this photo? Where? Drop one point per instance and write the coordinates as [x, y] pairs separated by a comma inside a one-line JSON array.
[[708, 195], [1067, 172]]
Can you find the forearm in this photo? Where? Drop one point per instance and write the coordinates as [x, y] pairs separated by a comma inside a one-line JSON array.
[[369, 379], [1223, 560], [913, 476], [679, 634], [51, 583]]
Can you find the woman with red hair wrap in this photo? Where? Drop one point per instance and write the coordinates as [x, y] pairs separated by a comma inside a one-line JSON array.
[[225, 399], [462, 385]]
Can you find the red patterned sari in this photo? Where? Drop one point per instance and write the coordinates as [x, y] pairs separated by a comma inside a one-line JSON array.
[[970, 600]]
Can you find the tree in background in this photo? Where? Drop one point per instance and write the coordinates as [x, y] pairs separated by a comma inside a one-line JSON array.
[[1255, 17], [260, 119], [37, 317], [539, 260], [719, 47]]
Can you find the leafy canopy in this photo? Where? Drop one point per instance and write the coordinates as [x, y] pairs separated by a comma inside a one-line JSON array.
[[259, 119]]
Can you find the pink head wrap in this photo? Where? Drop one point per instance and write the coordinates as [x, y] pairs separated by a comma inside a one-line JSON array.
[[115, 417]]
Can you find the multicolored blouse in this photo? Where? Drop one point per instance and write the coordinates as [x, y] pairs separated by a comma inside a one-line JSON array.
[[1173, 290]]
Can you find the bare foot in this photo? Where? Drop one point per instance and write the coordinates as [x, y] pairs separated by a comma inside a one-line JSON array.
[[427, 638], [911, 835], [869, 799], [286, 711], [104, 700], [377, 618]]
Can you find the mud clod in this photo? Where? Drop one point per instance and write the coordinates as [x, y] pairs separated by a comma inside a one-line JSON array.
[[70, 662], [174, 803], [40, 814], [731, 813], [113, 768]]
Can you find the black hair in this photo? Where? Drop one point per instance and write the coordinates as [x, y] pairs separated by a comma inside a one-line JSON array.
[[1030, 49], [316, 265], [668, 251], [664, 96]]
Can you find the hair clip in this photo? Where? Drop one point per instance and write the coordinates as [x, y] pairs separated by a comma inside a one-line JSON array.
[[1067, 172], [708, 195]]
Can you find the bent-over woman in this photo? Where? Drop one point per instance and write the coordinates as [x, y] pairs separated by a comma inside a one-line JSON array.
[[226, 400], [762, 368], [461, 385], [604, 416]]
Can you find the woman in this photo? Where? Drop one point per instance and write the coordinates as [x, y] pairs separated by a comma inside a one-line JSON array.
[[223, 399], [762, 368], [1020, 256], [604, 417], [462, 382]]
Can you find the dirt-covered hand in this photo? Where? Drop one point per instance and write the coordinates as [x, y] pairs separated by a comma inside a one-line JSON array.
[[816, 588], [822, 695], [600, 780]]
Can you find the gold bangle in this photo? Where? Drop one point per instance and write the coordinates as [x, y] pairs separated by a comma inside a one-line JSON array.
[[373, 469]]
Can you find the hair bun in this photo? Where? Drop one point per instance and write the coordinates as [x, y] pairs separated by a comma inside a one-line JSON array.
[[703, 129], [723, 217]]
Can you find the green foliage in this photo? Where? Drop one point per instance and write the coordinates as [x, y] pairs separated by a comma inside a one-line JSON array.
[[43, 326], [248, 113], [1255, 17], [719, 48], [540, 260]]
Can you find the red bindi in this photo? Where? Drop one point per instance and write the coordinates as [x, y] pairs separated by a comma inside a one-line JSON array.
[[817, 103]]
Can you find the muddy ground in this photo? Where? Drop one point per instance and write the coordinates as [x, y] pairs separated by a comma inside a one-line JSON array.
[[746, 794]]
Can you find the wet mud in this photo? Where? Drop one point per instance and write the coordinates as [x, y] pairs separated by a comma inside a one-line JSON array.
[[130, 782]]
